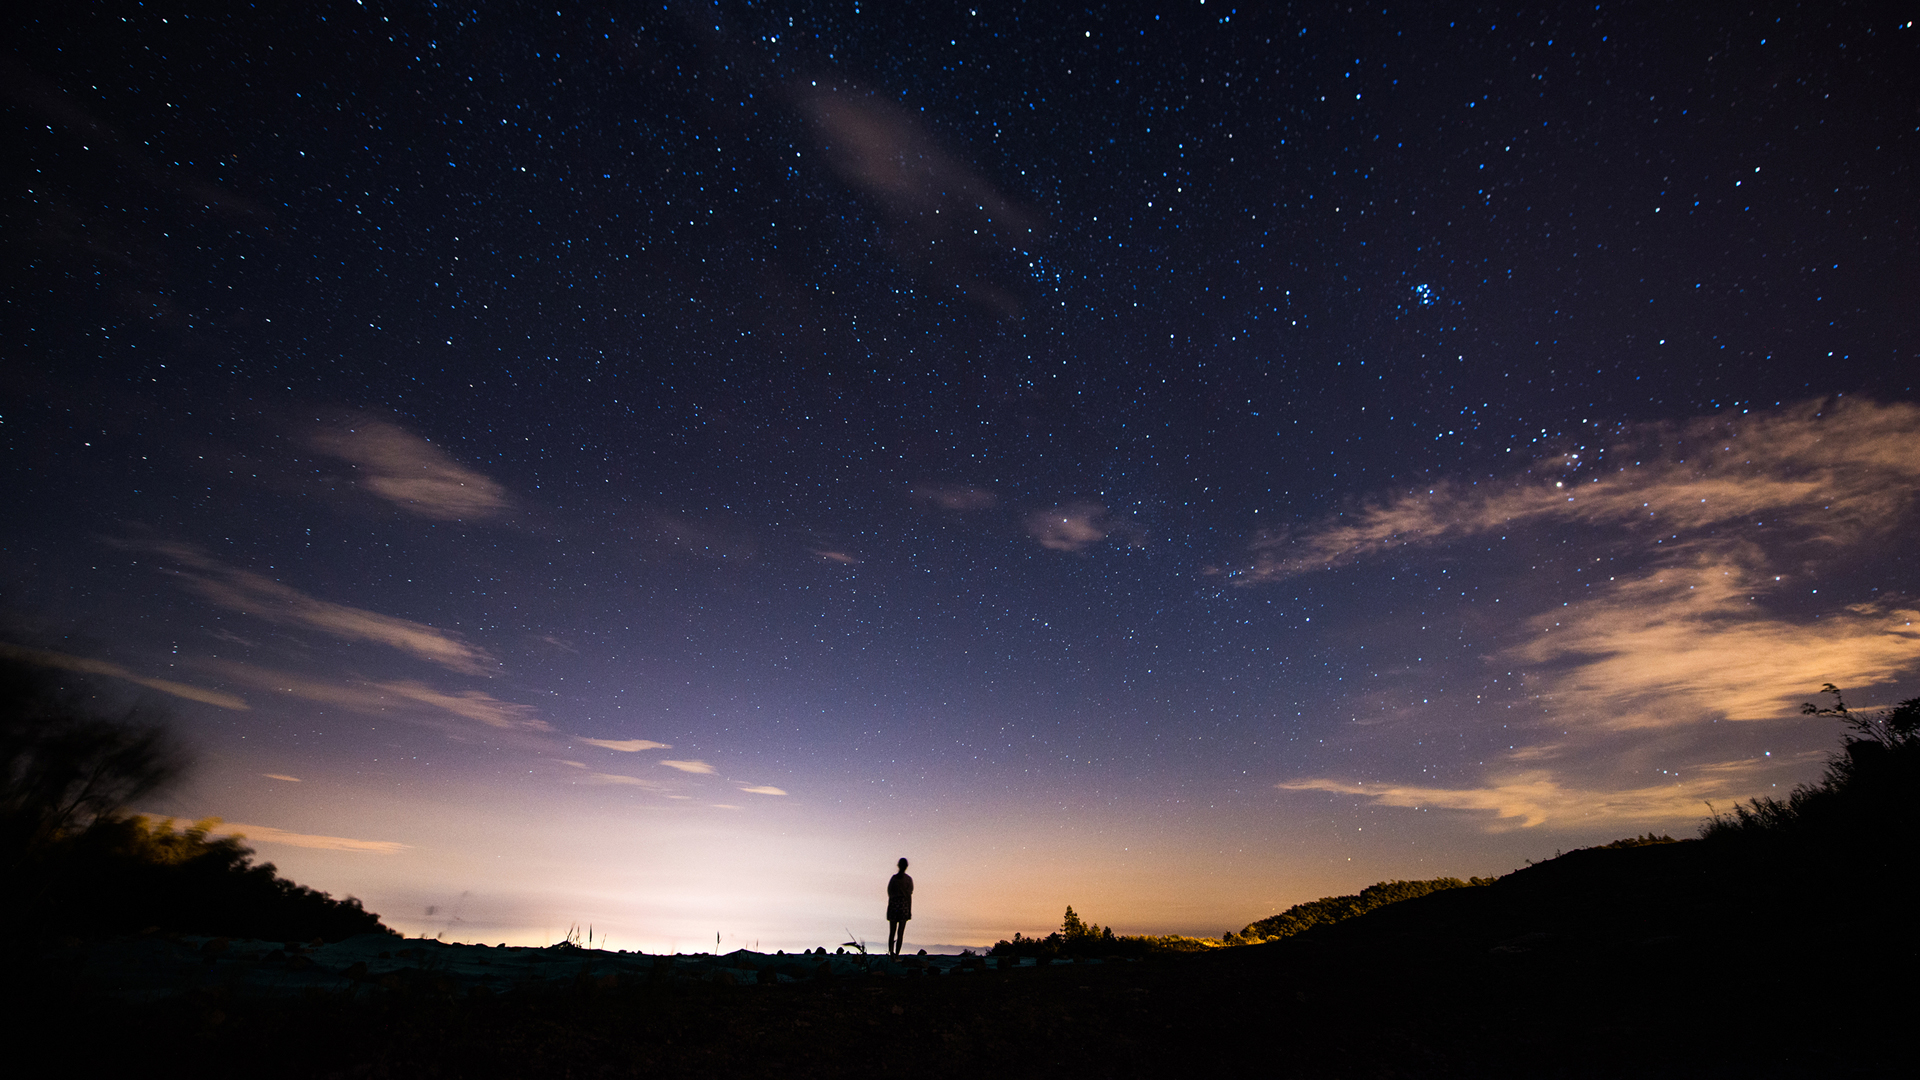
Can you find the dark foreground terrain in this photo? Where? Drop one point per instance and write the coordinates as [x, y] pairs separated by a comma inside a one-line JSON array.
[[1688, 960]]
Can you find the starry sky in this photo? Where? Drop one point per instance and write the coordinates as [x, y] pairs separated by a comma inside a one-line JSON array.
[[649, 467]]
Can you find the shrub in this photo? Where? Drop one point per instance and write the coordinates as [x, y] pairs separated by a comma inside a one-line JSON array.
[[1862, 796]]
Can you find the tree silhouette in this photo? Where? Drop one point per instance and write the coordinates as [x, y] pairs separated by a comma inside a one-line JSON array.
[[1071, 925], [69, 760]]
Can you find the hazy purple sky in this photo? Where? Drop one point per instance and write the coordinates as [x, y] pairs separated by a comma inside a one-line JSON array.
[[652, 467]]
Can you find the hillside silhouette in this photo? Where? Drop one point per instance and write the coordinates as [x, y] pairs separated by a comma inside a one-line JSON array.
[[1778, 944]]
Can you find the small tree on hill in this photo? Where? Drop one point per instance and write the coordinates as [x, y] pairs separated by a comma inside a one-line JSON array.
[[1071, 926]]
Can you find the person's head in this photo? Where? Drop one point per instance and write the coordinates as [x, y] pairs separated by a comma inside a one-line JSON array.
[[903, 863]]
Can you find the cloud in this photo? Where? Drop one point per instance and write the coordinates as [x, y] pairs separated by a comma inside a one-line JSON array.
[[281, 776], [1712, 522], [763, 790], [472, 704], [630, 781], [942, 219], [1833, 471], [264, 598], [267, 834], [376, 698], [1534, 798], [713, 536], [952, 496], [412, 473], [625, 745], [1681, 642], [689, 766], [1700, 608], [839, 557], [88, 666], [1074, 527]]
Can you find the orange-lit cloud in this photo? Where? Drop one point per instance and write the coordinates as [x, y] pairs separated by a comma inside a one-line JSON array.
[[1834, 470], [376, 698], [1703, 613], [629, 781], [1690, 640], [1073, 527], [953, 496], [412, 473], [1712, 507], [281, 776], [689, 766], [89, 666], [267, 834], [763, 790], [625, 745], [264, 598], [1534, 798]]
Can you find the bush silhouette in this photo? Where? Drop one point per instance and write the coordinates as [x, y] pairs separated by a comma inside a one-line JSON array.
[[1862, 797]]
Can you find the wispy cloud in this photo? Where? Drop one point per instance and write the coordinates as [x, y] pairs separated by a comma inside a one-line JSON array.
[[472, 704], [941, 217], [708, 536], [1712, 533], [1073, 527], [412, 473], [689, 766], [763, 790], [953, 496], [90, 666], [267, 834], [1714, 522], [838, 557], [281, 776], [629, 781], [375, 697], [262, 597], [1535, 798], [1834, 470], [1680, 642], [625, 745]]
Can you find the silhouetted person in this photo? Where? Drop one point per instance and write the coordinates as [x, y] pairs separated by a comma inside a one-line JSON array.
[[899, 909]]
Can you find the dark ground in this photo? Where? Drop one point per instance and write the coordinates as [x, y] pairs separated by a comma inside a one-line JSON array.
[[1683, 960]]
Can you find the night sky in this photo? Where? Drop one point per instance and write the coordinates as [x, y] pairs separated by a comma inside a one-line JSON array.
[[651, 467]]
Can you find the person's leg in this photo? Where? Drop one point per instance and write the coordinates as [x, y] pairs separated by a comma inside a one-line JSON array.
[[896, 937]]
